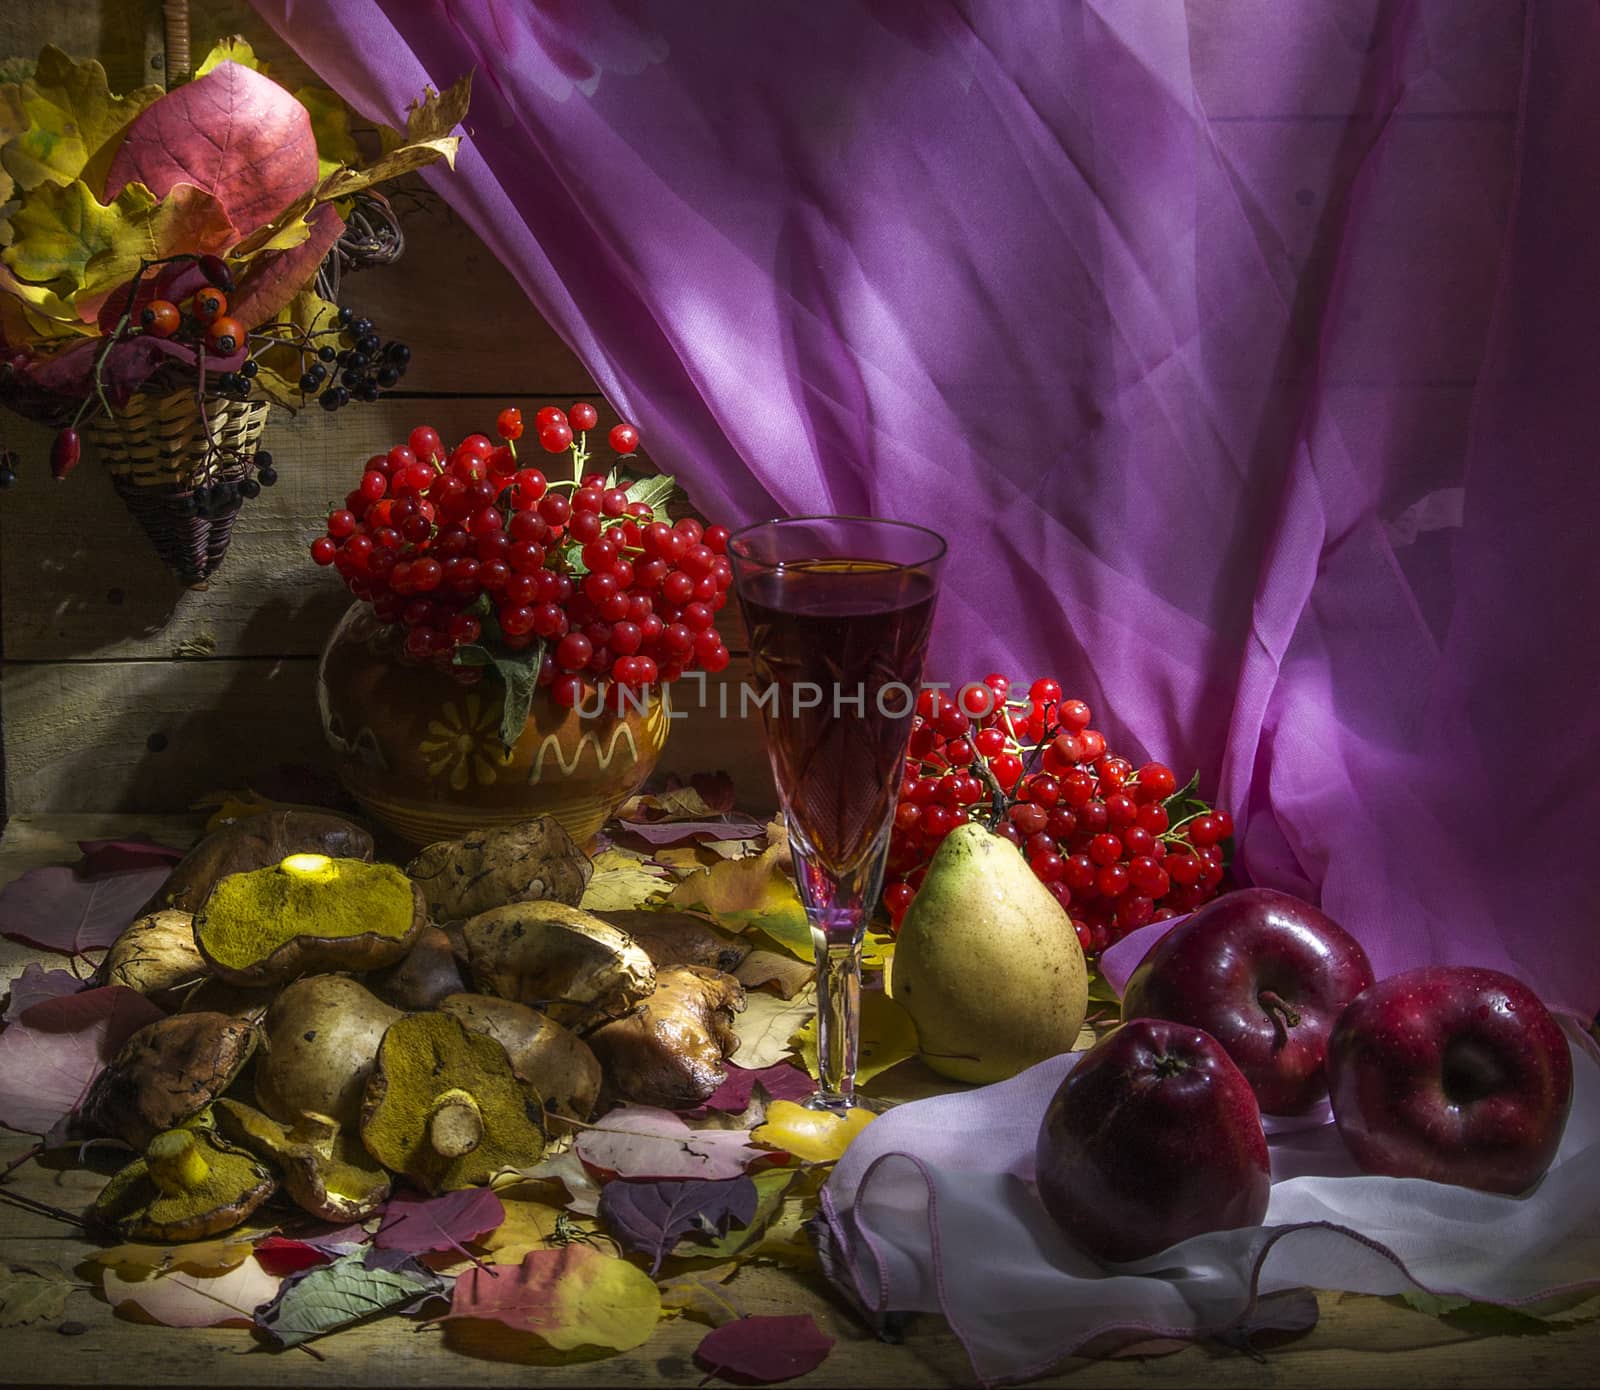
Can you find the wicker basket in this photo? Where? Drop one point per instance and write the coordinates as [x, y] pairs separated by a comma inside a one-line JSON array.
[[159, 452]]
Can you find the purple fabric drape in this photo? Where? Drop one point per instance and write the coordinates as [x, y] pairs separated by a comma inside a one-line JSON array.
[[1245, 351]]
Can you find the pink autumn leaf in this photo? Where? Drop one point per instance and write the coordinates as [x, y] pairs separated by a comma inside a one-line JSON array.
[[764, 1349], [58, 909], [182, 1299], [234, 133], [51, 1054], [275, 277], [420, 1225], [669, 832], [101, 857], [36, 984], [637, 1141]]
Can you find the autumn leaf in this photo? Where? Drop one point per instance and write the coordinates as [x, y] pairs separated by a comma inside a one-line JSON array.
[[787, 975], [652, 1217], [74, 122], [275, 277], [426, 138], [768, 1023], [751, 892], [572, 1297], [772, 1187], [765, 1349], [233, 49], [102, 857], [638, 1141], [698, 1294], [564, 1171], [58, 909], [526, 1226], [60, 228], [888, 1037], [622, 882], [36, 984], [138, 1260], [332, 1296], [282, 1256], [419, 1225], [49, 1056], [232, 133], [31, 1294], [781, 1081], [817, 1136], [180, 1299]]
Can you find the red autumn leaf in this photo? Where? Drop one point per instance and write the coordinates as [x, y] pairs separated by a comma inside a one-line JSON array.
[[275, 277], [780, 1081], [281, 1256], [102, 857], [58, 909], [233, 133], [419, 1225], [764, 1349], [670, 832], [37, 984], [51, 1054]]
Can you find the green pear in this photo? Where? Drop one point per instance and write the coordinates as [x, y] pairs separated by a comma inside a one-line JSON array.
[[987, 962]]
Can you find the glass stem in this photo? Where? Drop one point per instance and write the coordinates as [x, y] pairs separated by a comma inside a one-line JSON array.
[[838, 1022]]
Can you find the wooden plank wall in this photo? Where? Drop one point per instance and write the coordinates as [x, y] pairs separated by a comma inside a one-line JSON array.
[[125, 692]]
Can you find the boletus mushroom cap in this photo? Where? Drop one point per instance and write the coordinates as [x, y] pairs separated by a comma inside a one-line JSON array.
[[254, 843], [429, 973], [531, 861], [156, 955], [444, 1107], [321, 1041], [670, 1051], [167, 1072], [678, 938], [325, 1169], [305, 915], [189, 1185], [564, 961], [553, 1060]]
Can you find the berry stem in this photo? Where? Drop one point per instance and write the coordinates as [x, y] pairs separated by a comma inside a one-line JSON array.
[[997, 798]]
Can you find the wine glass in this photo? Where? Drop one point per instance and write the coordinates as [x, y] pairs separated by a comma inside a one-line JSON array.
[[838, 610]]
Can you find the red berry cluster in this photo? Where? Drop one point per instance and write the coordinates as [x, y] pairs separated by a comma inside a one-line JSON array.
[[466, 547], [1117, 846]]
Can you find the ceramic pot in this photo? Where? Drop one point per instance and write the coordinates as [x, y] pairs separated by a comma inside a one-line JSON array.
[[422, 754]]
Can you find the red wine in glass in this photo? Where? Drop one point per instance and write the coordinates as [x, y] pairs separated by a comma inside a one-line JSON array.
[[838, 611]]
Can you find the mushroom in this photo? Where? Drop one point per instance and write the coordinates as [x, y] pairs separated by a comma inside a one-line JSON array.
[[156, 955], [670, 1051], [322, 1037], [444, 1107], [424, 977], [254, 843], [557, 1063], [324, 1168], [307, 914], [189, 1185], [679, 938], [559, 959], [212, 995], [167, 1072], [526, 862]]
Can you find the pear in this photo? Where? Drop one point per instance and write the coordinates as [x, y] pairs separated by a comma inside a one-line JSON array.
[[987, 963]]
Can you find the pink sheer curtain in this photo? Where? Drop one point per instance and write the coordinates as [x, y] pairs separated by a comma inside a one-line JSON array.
[[1245, 351]]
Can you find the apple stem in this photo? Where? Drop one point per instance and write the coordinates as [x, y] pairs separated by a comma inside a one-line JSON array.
[[1281, 1013]]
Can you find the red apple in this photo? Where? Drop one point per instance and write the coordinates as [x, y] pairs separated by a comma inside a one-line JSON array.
[[1452, 1073], [1266, 975], [1153, 1137]]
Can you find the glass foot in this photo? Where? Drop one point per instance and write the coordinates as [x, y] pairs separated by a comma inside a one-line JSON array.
[[836, 1104]]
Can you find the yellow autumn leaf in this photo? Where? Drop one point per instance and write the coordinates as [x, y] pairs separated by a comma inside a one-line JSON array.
[[433, 115], [888, 1037], [12, 124], [73, 123], [813, 1135], [280, 365], [330, 123], [755, 891], [572, 1297], [528, 1226], [198, 1257], [234, 49], [36, 313], [622, 882], [768, 1025], [697, 1294]]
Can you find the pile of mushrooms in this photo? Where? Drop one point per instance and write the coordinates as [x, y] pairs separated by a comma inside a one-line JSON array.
[[335, 1025]]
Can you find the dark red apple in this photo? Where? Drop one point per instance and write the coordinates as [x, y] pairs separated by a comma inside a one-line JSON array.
[[1153, 1137], [1452, 1073], [1266, 975]]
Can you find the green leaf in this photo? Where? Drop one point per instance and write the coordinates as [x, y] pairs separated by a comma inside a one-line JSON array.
[[29, 1296], [330, 123], [519, 676], [336, 1295], [653, 492], [229, 50], [1099, 989], [1494, 1320]]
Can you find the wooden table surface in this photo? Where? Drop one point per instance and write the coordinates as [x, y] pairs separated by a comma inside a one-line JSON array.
[[1360, 1341]]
